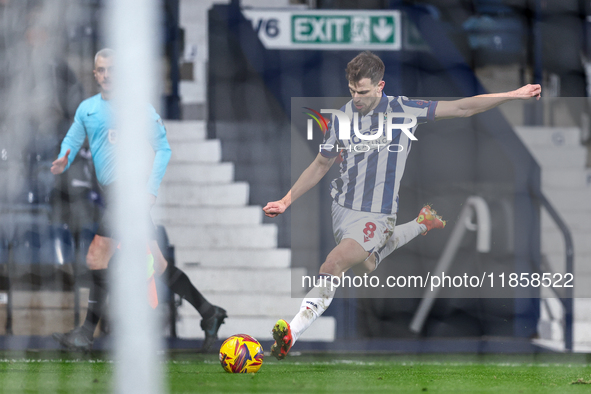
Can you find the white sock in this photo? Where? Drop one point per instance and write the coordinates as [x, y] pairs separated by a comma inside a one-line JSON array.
[[404, 233], [314, 305]]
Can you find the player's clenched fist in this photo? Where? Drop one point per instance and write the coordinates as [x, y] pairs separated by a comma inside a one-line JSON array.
[[528, 91], [59, 165], [274, 208]]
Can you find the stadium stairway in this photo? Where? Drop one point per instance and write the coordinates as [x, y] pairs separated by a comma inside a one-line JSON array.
[[222, 244], [566, 182]]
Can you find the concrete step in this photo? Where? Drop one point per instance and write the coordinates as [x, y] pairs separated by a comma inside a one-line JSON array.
[[582, 309], [581, 284], [185, 130], [234, 258], [549, 136], [234, 194], [574, 220], [47, 299], [170, 215], [574, 178], [218, 173], [218, 237], [558, 345], [553, 241], [43, 322], [582, 347], [206, 151], [248, 305], [323, 329], [265, 282], [550, 330], [582, 331], [582, 262], [570, 201], [565, 157]]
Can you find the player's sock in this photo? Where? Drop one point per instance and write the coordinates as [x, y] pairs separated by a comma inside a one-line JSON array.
[[316, 302], [96, 300], [180, 284], [404, 233]]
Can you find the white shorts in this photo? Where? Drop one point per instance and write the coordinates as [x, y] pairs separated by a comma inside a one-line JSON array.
[[370, 230]]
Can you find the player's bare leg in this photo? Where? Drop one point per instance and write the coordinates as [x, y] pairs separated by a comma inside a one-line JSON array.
[[100, 252], [344, 256]]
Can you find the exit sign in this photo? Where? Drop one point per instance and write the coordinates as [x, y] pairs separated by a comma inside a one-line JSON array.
[[344, 30], [314, 29]]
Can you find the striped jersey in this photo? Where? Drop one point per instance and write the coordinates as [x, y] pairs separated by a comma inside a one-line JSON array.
[[371, 171]]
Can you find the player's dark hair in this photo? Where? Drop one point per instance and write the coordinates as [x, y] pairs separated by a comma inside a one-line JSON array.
[[365, 65]]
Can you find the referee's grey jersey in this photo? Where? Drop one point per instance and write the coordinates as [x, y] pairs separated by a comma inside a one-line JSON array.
[[371, 170]]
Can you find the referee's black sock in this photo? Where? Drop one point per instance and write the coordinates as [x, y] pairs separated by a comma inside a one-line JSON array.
[[96, 299], [180, 284]]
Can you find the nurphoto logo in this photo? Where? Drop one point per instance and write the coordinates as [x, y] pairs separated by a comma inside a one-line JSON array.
[[376, 138]]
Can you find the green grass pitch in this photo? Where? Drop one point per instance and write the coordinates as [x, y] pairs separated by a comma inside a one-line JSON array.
[[314, 373]]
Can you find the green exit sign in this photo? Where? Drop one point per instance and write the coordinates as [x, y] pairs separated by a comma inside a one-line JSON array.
[[346, 30], [327, 30]]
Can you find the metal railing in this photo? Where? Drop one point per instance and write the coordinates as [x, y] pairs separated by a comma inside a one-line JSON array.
[[474, 205], [477, 205], [567, 297]]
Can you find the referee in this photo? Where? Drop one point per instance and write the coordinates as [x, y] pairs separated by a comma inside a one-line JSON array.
[[93, 119]]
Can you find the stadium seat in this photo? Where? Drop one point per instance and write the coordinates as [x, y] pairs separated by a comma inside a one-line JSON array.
[[41, 152], [496, 39], [44, 244], [495, 7], [43, 148], [27, 246], [41, 184], [57, 246], [12, 170]]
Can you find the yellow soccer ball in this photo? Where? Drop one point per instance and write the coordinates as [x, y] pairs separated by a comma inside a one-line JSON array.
[[241, 353]]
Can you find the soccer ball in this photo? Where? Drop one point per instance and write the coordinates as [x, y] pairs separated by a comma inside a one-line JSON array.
[[241, 353]]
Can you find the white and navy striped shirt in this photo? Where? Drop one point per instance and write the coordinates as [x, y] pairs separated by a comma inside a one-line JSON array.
[[370, 173]]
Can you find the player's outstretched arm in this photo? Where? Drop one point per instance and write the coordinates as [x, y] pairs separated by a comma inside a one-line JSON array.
[[474, 105], [309, 178], [59, 165]]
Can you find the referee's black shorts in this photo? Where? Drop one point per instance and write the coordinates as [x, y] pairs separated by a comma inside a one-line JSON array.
[[106, 226]]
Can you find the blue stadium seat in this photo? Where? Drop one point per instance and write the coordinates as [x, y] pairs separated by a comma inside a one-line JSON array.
[[496, 39], [42, 183], [43, 244], [43, 148], [12, 169], [495, 7], [57, 247], [27, 246], [6, 235]]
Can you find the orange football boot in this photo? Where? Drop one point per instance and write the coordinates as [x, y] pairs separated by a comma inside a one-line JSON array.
[[428, 216], [283, 339]]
